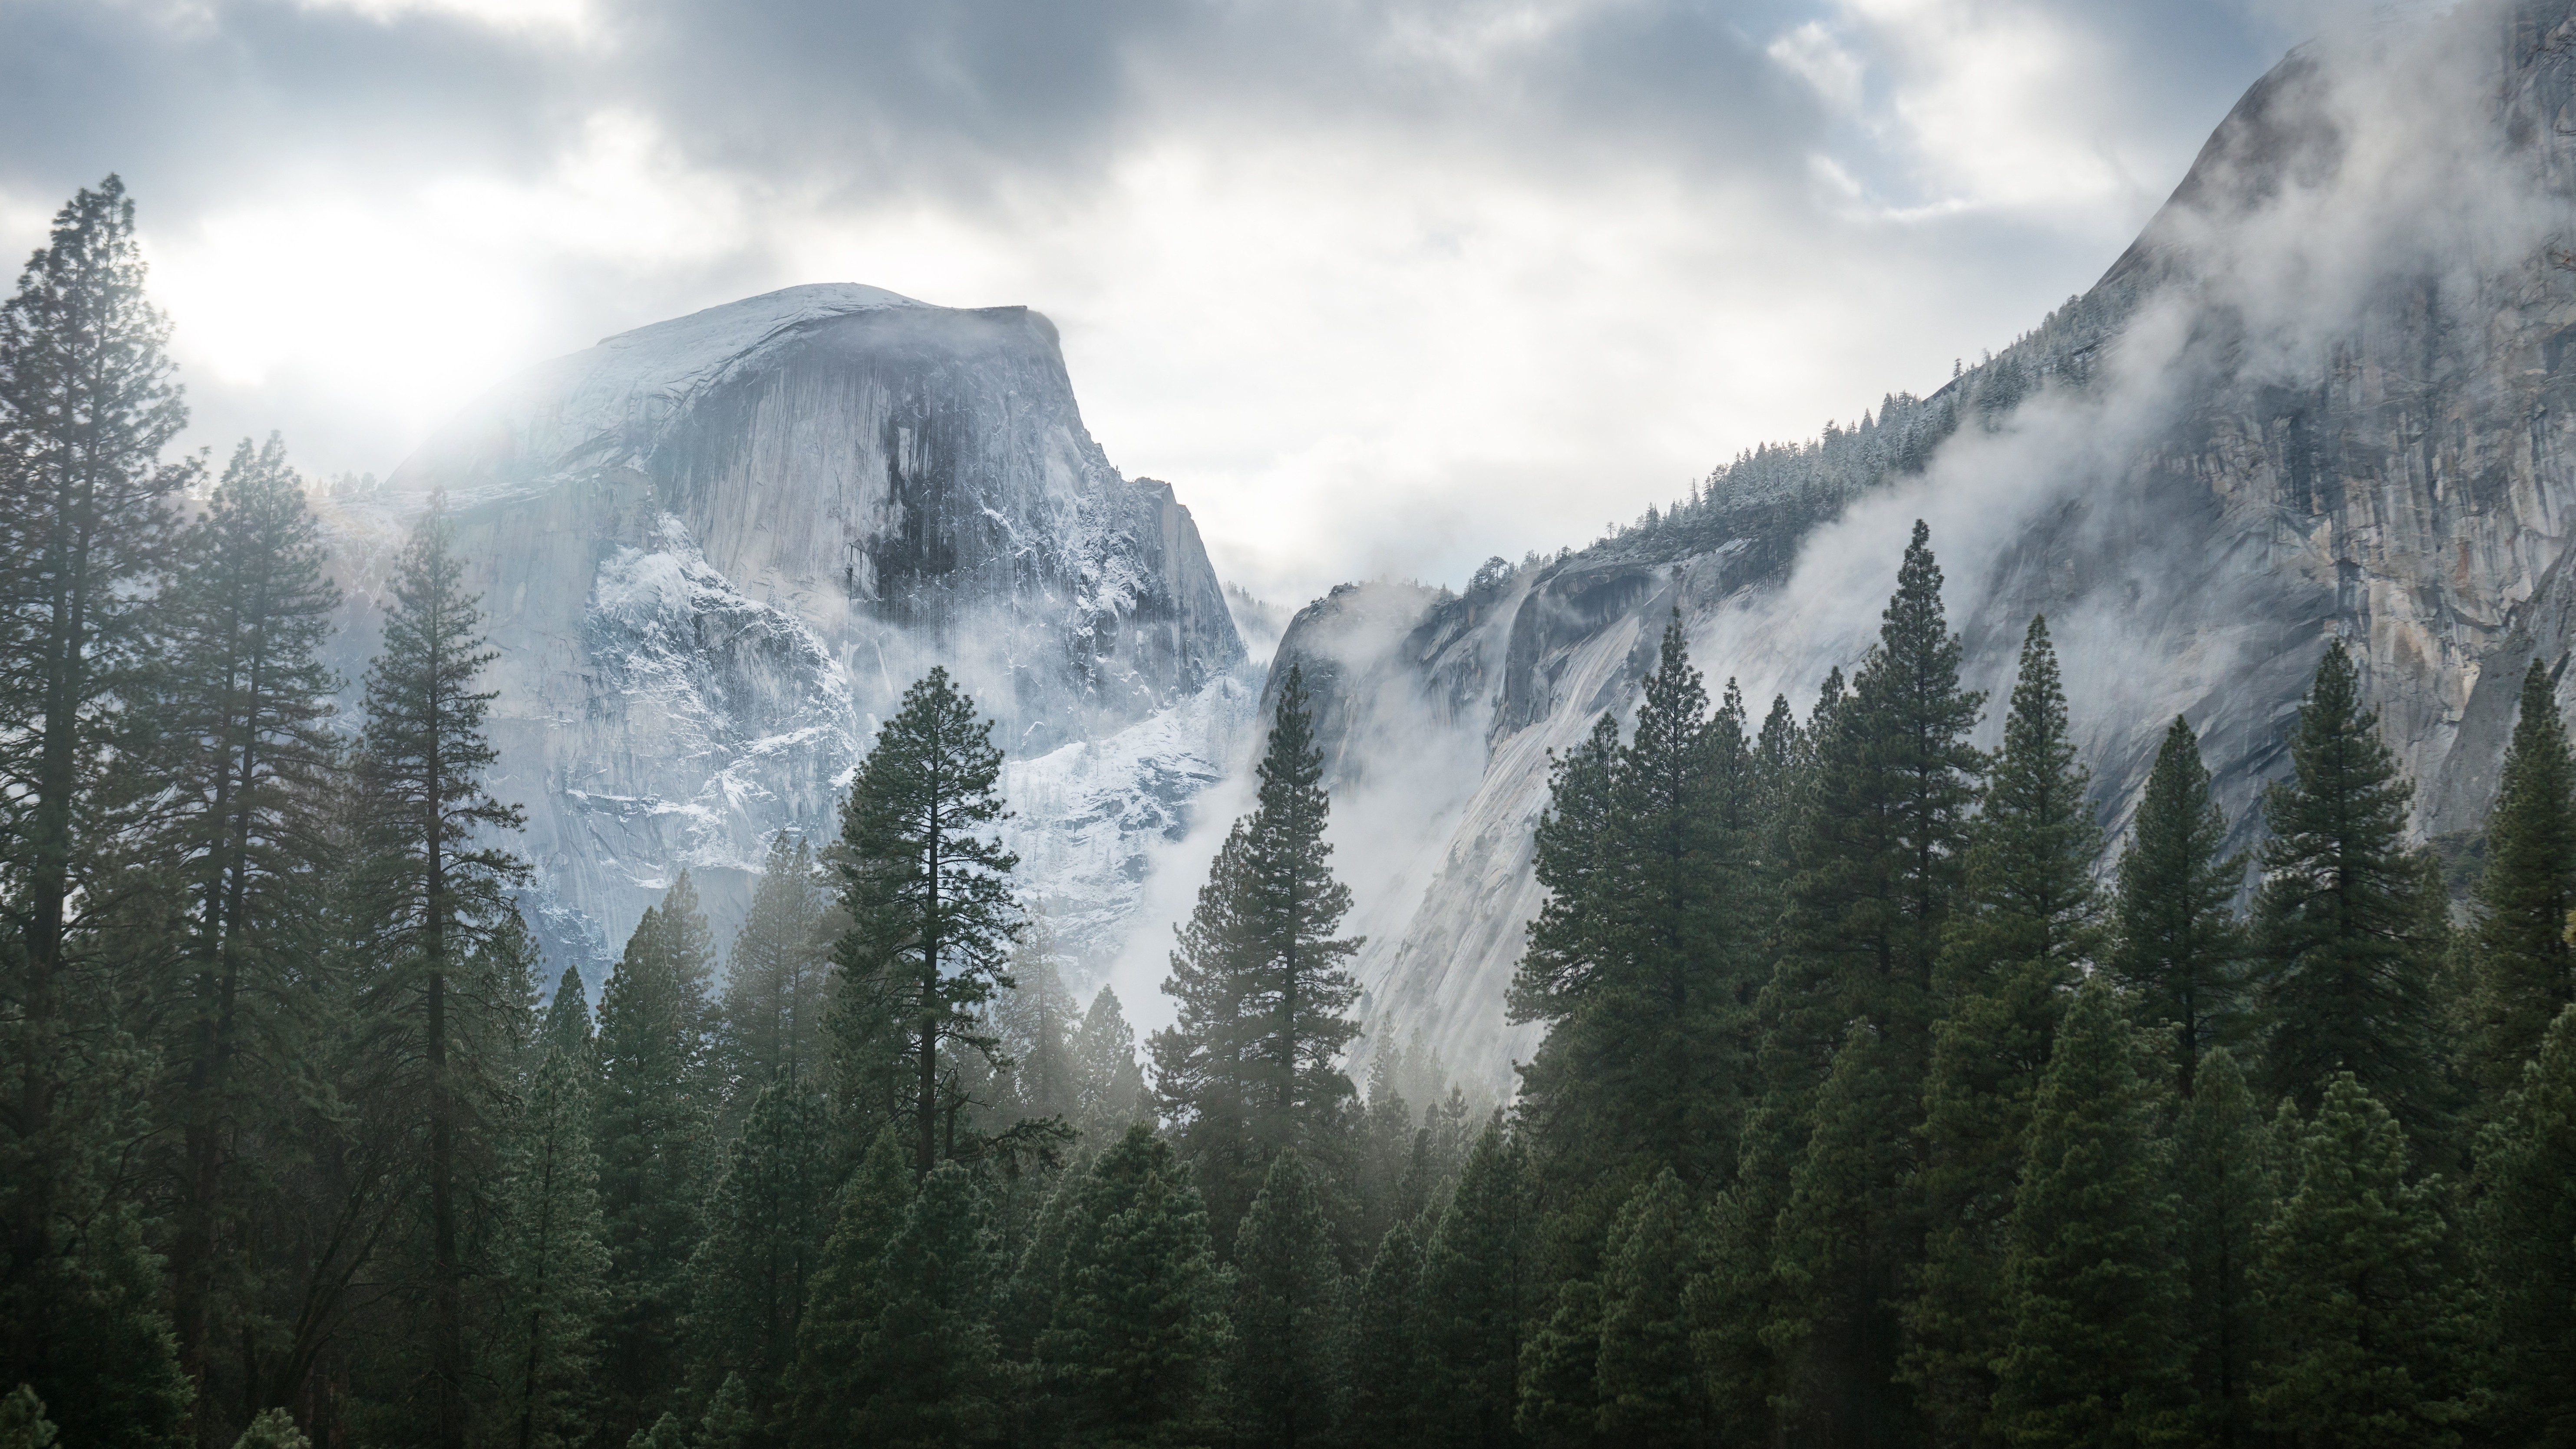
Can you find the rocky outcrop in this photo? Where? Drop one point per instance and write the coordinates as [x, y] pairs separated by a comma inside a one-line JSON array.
[[2328, 393], [714, 551]]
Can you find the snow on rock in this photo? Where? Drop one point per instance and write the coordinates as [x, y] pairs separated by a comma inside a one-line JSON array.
[[714, 551]]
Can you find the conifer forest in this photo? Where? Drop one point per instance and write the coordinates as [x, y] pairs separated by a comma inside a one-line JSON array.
[[1889, 1095]]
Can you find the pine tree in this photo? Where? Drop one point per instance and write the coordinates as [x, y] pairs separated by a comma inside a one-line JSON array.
[[272, 1429], [1035, 1020], [2364, 1327], [2223, 1158], [1287, 1362], [2524, 1234], [2179, 949], [436, 891], [730, 1422], [1560, 1372], [1880, 861], [567, 1025], [553, 1262], [929, 899], [1250, 1068], [1138, 1325], [1109, 1086], [2028, 927], [1479, 1286], [770, 1022], [927, 1366], [1652, 1391], [23, 1424], [766, 1219], [844, 1295], [2339, 921], [1647, 985], [655, 1124], [235, 717], [1390, 1402], [86, 407], [2091, 1287], [2525, 971]]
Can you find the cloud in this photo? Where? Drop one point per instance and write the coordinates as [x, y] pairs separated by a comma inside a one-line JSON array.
[[1379, 288]]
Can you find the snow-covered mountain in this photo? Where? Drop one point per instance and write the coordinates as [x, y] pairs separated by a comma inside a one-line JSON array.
[[714, 551], [2330, 392]]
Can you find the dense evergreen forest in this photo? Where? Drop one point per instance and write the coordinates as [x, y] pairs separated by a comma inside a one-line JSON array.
[[1871, 1110]]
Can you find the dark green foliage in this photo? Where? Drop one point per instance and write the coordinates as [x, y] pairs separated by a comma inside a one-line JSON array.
[[926, 1372], [1139, 1324], [2339, 922], [730, 1422], [1392, 1396], [2090, 1287], [929, 902], [1287, 1362], [2524, 970], [552, 1263], [2364, 1330], [567, 1026], [236, 715], [2178, 946], [86, 407], [2525, 1243], [23, 1424], [1642, 964], [765, 1222], [1651, 1388], [272, 1429], [769, 1024], [655, 1123], [2223, 1172], [1880, 862], [1479, 1287], [843, 1298], [434, 894], [2029, 925], [1560, 1372], [1036, 1020], [1249, 1069], [1110, 1091]]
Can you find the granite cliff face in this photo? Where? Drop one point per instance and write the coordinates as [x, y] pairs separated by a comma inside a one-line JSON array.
[[2328, 393], [714, 551]]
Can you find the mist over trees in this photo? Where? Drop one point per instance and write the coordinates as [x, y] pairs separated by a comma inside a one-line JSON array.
[[1882, 1100]]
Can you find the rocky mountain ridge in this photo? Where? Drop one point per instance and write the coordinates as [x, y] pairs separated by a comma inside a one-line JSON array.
[[2327, 393], [712, 553]]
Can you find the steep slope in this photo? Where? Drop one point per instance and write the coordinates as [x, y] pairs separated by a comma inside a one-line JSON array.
[[2328, 393], [714, 551]]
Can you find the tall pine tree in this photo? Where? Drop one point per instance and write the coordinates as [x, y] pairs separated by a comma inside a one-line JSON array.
[[2524, 1235], [656, 1115], [828, 1385], [927, 1367], [1879, 875], [2090, 1288], [2028, 928], [770, 1019], [2364, 1326], [435, 884], [1287, 1362], [1479, 1288], [1139, 1329], [2340, 919], [86, 406], [552, 1263], [2178, 946], [765, 1219], [2524, 969], [1652, 1391], [1392, 1401], [1250, 1068], [238, 739], [929, 901], [2223, 1172]]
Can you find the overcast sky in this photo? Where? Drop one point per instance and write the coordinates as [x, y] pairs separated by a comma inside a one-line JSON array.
[[1380, 288]]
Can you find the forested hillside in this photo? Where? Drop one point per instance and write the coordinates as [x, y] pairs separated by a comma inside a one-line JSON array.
[[1866, 1113]]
